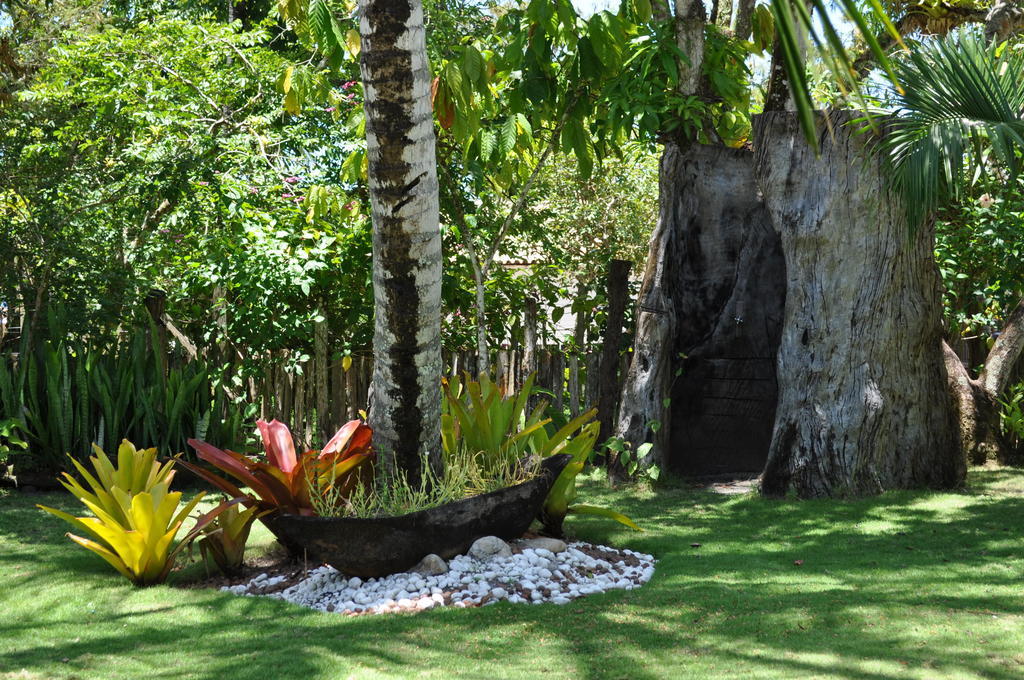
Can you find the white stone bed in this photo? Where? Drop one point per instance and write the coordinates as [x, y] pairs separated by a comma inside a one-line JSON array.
[[527, 571]]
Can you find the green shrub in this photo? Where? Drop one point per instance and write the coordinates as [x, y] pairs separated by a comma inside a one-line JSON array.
[[479, 416]]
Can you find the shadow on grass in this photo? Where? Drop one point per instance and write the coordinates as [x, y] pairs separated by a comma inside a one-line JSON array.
[[907, 585]]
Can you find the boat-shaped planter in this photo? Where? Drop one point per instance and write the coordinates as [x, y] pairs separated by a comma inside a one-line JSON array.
[[380, 546]]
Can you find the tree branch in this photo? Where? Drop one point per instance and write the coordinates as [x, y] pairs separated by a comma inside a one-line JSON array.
[[1004, 353]]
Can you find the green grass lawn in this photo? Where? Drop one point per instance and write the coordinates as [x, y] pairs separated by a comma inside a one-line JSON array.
[[909, 585]]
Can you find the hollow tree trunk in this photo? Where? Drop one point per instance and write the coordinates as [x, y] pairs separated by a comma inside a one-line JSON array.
[[731, 282], [701, 386], [649, 378], [406, 404], [863, 403]]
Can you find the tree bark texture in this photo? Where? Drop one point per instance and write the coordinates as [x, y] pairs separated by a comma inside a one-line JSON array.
[[483, 360], [690, 18], [645, 390], [405, 403], [1005, 19], [742, 19], [863, 402], [709, 320], [977, 400], [977, 412]]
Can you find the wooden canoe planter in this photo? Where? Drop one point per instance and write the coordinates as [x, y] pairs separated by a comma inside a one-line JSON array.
[[369, 548]]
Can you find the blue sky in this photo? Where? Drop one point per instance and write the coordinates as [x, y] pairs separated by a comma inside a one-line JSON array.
[[588, 7]]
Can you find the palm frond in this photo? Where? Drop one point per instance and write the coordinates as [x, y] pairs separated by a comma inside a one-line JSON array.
[[793, 18], [959, 118]]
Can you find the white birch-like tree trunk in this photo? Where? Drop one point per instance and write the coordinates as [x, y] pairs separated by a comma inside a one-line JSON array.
[[405, 402]]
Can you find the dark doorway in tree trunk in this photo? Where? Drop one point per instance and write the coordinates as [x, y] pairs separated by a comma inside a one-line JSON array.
[[719, 276], [732, 282]]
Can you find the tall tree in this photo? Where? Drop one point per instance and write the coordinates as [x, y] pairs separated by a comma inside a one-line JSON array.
[[405, 408]]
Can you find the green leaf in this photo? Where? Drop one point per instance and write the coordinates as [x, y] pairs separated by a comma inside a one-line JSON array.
[[507, 136], [604, 512], [473, 64], [488, 143]]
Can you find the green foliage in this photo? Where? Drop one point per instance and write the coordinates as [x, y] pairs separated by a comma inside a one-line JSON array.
[[223, 540], [960, 115], [465, 474], [792, 21], [586, 223], [1011, 417], [478, 416], [979, 249], [11, 442], [73, 394], [633, 461], [156, 156], [136, 516]]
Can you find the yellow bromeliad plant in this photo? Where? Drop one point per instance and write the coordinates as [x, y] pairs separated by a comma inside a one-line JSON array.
[[136, 472], [136, 516]]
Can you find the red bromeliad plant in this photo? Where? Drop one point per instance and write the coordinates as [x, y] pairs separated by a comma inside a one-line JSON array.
[[283, 482]]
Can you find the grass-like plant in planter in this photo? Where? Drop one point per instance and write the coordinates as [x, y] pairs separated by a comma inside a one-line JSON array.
[[479, 415], [136, 515]]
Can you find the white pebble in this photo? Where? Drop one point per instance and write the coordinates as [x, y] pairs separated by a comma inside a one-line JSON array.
[[547, 576]]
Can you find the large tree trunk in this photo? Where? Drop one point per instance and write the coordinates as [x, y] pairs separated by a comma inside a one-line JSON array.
[[644, 400], [863, 402], [405, 409], [1006, 18]]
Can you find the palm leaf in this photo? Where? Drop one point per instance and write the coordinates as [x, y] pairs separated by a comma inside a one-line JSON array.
[[793, 17], [962, 100]]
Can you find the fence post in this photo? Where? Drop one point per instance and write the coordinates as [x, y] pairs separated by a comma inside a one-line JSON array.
[[323, 418], [618, 294]]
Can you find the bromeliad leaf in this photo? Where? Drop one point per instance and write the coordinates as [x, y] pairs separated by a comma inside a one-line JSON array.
[[282, 484], [135, 515]]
